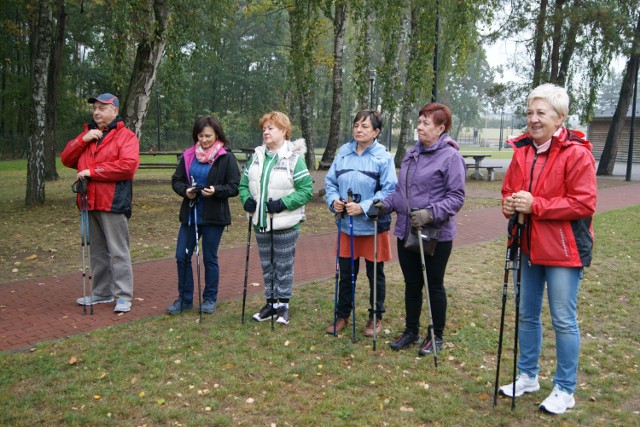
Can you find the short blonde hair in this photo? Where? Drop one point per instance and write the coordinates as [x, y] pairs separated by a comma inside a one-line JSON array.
[[280, 120], [556, 96]]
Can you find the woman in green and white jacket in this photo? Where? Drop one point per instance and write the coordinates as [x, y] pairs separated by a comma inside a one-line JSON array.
[[276, 182]]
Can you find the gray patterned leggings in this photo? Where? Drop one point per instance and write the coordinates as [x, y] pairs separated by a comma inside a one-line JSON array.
[[284, 252]]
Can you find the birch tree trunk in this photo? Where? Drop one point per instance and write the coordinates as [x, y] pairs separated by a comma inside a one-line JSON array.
[[539, 43], [415, 62], [303, 23], [148, 57], [339, 19], [610, 151], [40, 57], [50, 172]]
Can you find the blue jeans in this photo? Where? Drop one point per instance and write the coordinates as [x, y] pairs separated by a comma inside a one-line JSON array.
[[562, 293], [211, 235]]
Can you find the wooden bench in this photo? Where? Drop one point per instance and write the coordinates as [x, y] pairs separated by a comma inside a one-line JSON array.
[[490, 171], [151, 165], [156, 166]]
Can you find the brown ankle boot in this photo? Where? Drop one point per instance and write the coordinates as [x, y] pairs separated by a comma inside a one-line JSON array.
[[368, 330], [341, 323]]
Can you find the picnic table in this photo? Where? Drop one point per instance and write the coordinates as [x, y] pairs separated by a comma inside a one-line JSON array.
[[247, 153], [477, 158], [154, 153]]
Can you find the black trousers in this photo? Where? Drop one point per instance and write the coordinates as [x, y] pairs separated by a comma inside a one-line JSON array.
[[436, 266], [345, 301]]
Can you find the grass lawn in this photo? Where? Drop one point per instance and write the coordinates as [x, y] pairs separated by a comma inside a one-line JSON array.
[[174, 371]]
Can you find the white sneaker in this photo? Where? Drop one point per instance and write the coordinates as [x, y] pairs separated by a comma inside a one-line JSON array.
[[122, 306], [558, 401], [94, 299], [524, 384]]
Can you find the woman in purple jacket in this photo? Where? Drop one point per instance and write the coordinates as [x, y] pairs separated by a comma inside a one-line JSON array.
[[430, 192]]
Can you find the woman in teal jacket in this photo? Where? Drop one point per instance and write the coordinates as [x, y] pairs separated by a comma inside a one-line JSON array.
[[365, 167]]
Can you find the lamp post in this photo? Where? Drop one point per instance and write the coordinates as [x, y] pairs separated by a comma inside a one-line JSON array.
[[501, 123], [158, 115], [372, 79], [631, 130]]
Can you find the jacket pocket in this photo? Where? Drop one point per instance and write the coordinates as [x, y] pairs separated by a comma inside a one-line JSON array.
[[551, 243]]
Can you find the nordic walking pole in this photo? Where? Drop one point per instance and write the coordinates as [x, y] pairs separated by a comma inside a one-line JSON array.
[[374, 305], [195, 227], [84, 265], [80, 188], [516, 291], [353, 277], [87, 238], [508, 266], [273, 272], [430, 331], [335, 295], [246, 267]]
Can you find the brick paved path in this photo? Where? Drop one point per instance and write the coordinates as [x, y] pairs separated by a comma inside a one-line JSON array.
[[44, 309]]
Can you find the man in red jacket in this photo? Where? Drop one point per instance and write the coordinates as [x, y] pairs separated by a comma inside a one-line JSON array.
[[106, 155]]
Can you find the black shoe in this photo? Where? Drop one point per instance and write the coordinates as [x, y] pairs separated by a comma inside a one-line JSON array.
[[265, 313], [178, 306], [427, 346], [283, 315], [406, 340]]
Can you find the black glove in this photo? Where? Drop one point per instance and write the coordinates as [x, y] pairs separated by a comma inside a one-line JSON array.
[[275, 206], [250, 205], [377, 209], [421, 217]]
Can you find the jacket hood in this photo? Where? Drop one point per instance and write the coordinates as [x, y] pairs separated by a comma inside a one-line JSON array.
[[566, 138], [376, 149], [443, 142], [117, 123], [299, 147]]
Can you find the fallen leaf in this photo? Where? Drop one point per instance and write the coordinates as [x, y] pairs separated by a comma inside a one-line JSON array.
[[73, 360], [97, 397], [31, 257], [160, 401], [207, 409], [405, 409], [250, 400]]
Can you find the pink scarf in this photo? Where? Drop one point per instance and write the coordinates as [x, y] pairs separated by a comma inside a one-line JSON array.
[[208, 155]]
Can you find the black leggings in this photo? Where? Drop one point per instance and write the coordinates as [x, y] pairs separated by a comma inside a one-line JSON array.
[[436, 266], [345, 300]]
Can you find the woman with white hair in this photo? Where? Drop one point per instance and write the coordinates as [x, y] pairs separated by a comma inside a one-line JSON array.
[[551, 181]]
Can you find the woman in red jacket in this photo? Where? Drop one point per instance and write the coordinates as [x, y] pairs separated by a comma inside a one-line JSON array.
[[552, 181]]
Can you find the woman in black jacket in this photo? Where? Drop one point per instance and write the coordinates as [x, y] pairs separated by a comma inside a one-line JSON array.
[[206, 176]]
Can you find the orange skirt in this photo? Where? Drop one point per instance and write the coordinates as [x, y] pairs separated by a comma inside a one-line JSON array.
[[363, 246]]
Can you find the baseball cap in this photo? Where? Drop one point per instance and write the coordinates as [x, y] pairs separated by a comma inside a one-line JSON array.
[[105, 98]]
